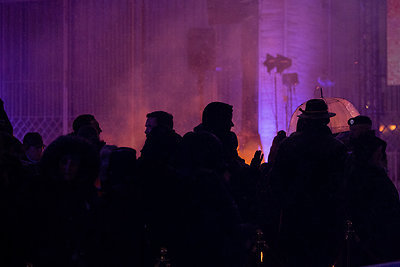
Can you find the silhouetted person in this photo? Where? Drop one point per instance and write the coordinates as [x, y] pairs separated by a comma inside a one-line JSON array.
[[307, 189], [373, 204], [240, 178], [105, 154], [61, 221], [210, 216], [121, 226], [33, 147], [12, 178], [84, 120], [33, 150], [360, 127], [90, 133], [263, 202], [162, 141], [158, 119], [87, 127], [161, 188], [5, 124], [121, 169], [217, 119], [278, 139]]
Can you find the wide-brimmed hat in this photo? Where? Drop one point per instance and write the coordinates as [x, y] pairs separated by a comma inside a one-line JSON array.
[[316, 109]]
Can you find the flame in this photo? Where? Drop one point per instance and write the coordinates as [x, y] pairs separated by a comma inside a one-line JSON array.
[[392, 127], [261, 256]]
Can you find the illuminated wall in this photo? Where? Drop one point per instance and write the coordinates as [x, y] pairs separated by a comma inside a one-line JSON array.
[[298, 30], [120, 59], [65, 58], [116, 59], [393, 42]]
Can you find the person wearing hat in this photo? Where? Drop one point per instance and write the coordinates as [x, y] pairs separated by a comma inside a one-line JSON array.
[[373, 204], [359, 125], [306, 184], [360, 129], [33, 147], [316, 113]]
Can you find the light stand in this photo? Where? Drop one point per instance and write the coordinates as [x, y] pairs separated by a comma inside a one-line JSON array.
[[280, 63]]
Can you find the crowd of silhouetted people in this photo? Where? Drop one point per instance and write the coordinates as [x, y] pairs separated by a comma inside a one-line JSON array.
[[192, 201]]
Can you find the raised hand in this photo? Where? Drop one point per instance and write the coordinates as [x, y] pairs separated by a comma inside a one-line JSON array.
[[257, 159]]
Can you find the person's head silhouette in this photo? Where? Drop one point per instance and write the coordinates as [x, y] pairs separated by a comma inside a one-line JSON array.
[[85, 120], [158, 119], [217, 117]]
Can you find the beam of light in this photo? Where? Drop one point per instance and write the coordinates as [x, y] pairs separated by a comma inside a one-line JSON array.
[[282, 34]]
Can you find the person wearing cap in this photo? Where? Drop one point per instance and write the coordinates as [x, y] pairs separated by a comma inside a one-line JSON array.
[[359, 125], [306, 185], [373, 204], [33, 147], [360, 131]]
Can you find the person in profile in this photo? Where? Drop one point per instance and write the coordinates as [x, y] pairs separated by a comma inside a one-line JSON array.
[[159, 183], [240, 178], [162, 141], [61, 224], [217, 119], [307, 187]]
